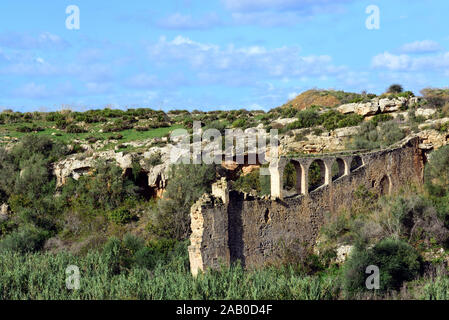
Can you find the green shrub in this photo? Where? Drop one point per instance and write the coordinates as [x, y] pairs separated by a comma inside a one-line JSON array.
[[383, 117], [397, 262], [437, 173], [240, 123], [73, 128], [395, 88], [253, 182], [372, 137], [26, 239], [120, 216], [187, 183]]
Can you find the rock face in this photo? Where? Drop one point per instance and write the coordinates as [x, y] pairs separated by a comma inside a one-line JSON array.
[[4, 211], [343, 253], [433, 139], [76, 166], [425, 112], [377, 105]]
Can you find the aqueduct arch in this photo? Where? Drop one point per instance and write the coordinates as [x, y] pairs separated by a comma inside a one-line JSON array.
[[302, 167]]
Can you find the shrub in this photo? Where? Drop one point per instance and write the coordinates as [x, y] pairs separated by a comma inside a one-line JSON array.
[[187, 183], [395, 88], [120, 216], [437, 173], [371, 137], [397, 262], [383, 117], [306, 119], [73, 128], [253, 182], [107, 189], [239, 123], [26, 239]]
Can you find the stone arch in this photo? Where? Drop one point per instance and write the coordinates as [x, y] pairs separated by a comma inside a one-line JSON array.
[[338, 169], [317, 174], [292, 174], [385, 185], [356, 163]]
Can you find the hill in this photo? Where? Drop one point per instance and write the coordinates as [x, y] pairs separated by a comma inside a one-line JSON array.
[[325, 98]]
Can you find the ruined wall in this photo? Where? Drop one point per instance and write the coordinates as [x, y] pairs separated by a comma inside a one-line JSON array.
[[256, 231]]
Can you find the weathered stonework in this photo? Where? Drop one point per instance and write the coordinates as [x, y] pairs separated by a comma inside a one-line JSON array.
[[255, 231]]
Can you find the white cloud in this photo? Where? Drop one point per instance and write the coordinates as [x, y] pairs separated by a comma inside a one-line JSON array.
[[238, 65], [391, 61], [425, 46], [26, 41], [434, 63]]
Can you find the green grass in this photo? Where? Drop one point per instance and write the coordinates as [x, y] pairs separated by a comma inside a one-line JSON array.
[[43, 276], [67, 138]]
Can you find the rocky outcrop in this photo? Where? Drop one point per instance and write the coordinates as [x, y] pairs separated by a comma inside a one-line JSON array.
[[433, 139], [78, 165], [376, 106], [4, 212]]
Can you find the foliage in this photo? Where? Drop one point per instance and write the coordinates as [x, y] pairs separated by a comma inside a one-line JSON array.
[[187, 183], [120, 216], [372, 137], [253, 181], [395, 88], [116, 274], [397, 262]]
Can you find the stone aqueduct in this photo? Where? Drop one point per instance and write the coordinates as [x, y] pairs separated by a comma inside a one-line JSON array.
[[229, 226]]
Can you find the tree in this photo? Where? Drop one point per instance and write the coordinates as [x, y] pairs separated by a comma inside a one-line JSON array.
[[187, 182], [437, 172], [395, 88]]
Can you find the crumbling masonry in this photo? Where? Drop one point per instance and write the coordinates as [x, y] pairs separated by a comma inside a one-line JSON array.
[[229, 226]]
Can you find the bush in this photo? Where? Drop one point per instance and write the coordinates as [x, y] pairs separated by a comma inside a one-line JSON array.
[[395, 88], [306, 119], [372, 137], [27, 239], [73, 128], [239, 123], [107, 189], [437, 173], [397, 262], [253, 182], [187, 183], [120, 216], [378, 118]]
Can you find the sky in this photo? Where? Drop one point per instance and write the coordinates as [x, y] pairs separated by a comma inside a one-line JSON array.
[[214, 54]]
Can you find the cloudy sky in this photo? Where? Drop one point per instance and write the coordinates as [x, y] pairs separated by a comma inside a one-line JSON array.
[[214, 54]]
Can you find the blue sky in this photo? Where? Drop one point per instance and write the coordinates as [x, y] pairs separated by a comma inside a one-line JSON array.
[[216, 54]]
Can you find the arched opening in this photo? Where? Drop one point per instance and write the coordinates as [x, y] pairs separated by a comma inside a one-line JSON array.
[[385, 186], [317, 174], [292, 179], [338, 169], [356, 163]]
